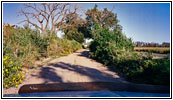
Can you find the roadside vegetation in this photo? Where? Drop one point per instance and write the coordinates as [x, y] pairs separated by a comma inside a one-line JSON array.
[[23, 46], [134, 66]]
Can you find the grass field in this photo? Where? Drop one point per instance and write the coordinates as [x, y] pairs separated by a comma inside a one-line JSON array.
[[161, 50]]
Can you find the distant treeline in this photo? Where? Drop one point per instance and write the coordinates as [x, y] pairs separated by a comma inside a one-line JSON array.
[[152, 44]]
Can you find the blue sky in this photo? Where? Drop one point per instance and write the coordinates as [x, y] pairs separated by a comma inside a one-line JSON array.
[[148, 22]]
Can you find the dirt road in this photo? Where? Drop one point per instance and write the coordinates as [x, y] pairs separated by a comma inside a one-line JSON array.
[[76, 67]]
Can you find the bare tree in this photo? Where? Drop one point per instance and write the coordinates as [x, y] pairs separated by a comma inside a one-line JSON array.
[[47, 15]]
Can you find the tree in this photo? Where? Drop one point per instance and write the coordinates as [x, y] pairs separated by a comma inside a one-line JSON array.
[[165, 44], [102, 18], [46, 16], [75, 20], [72, 33], [77, 29]]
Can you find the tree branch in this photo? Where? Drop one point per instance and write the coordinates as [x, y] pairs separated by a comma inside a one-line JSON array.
[[47, 13]]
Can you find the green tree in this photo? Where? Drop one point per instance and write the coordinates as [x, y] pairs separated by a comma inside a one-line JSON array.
[[101, 17], [72, 33], [77, 29]]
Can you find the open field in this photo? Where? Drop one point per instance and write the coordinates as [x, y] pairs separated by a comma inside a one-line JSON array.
[[161, 50]]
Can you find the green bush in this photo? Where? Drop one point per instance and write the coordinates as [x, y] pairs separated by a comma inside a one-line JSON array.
[[60, 47], [149, 71], [20, 45], [106, 45], [70, 46]]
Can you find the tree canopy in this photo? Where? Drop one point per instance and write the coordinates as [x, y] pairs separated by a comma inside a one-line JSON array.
[[101, 17]]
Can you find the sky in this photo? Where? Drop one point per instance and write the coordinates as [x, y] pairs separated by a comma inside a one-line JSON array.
[[147, 22]]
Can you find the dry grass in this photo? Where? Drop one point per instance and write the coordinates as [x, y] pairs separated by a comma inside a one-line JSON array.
[[162, 50]]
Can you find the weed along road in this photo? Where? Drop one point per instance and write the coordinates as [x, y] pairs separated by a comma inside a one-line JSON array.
[[78, 72], [76, 67]]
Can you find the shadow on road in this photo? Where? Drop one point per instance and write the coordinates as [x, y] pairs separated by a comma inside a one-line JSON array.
[[84, 54], [49, 74], [92, 73]]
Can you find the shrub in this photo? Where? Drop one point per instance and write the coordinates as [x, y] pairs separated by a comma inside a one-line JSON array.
[[149, 71], [55, 48], [106, 45], [70, 46], [12, 72], [60, 47], [20, 45]]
